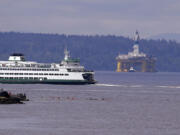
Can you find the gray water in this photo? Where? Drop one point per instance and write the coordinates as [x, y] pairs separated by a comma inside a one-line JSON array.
[[119, 104]]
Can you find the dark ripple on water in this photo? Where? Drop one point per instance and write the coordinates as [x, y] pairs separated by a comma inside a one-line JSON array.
[[121, 103]]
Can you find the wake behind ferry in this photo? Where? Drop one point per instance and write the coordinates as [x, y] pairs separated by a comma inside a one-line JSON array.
[[18, 71]]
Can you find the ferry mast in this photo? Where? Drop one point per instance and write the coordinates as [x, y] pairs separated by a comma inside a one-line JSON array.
[[136, 60]]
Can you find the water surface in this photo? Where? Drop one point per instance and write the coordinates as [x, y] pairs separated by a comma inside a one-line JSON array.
[[120, 103]]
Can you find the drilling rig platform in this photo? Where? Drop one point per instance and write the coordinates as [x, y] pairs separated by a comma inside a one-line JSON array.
[[135, 61]]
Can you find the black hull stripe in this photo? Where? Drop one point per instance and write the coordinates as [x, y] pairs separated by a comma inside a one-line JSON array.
[[7, 81]]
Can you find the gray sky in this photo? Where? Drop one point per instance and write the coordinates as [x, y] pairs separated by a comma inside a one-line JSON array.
[[90, 17]]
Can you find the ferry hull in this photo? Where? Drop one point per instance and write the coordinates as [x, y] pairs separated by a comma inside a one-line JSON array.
[[73, 82]]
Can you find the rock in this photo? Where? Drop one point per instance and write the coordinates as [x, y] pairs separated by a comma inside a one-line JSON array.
[[21, 96], [7, 98]]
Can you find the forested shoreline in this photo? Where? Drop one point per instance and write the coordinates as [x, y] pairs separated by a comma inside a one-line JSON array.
[[97, 52]]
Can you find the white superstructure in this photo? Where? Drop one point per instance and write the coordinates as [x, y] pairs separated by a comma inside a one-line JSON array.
[[135, 53], [69, 71]]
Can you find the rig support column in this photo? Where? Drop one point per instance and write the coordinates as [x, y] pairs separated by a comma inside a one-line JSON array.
[[144, 66], [119, 65]]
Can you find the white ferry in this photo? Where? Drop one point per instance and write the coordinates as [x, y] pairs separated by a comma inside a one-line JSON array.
[[18, 71]]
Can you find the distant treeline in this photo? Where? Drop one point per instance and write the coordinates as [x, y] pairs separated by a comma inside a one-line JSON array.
[[95, 52]]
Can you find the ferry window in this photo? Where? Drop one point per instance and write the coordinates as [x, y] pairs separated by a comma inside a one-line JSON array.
[[66, 74], [47, 69], [11, 73], [21, 73], [30, 73], [25, 77], [16, 73], [35, 78], [56, 70], [30, 77], [1, 73], [6, 73], [40, 74], [20, 77], [45, 74], [34, 69], [36, 74], [61, 74], [25, 73]]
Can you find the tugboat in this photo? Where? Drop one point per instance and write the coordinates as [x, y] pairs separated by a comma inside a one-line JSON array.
[[18, 71], [132, 69]]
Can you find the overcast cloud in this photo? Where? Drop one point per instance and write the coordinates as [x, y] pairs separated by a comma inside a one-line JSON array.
[[119, 17]]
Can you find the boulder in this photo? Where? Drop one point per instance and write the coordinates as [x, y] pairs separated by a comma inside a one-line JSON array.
[[7, 98]]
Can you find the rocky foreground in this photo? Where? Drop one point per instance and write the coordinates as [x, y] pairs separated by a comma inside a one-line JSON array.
[[8, 98]]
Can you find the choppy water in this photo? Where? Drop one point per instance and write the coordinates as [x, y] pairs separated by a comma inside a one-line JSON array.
[[120, 104]]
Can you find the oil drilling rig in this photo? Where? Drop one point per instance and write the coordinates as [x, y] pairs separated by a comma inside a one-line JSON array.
[[135, 61]]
